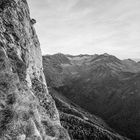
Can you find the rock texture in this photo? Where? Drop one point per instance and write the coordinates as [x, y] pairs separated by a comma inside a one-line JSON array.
[[27, 111]]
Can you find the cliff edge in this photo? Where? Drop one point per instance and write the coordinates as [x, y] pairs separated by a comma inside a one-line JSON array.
[[27, 111]]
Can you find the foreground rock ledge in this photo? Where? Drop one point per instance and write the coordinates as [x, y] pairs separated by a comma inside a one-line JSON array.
[[27, 111]]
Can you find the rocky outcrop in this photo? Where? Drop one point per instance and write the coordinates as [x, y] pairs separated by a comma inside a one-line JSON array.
[[27, 111]]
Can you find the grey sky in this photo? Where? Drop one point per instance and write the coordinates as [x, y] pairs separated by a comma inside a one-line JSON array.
[[88, 26]]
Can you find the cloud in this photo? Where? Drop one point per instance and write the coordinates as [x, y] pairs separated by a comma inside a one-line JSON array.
[[88, 26]]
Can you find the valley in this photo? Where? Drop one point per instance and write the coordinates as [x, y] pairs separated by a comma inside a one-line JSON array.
[[102, 85]]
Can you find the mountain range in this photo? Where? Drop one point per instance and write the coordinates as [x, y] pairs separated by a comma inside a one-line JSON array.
[[102, 86], [29, 112]]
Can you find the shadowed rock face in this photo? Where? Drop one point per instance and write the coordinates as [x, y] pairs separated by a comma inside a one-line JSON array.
[[27, 111]]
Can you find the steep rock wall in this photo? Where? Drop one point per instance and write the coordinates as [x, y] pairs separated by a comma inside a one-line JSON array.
[[27, 111]]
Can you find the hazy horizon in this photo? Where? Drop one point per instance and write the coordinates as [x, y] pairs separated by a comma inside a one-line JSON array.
[[88, 26]]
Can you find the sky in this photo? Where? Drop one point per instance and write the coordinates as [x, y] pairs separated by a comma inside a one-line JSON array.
[[88, 26]]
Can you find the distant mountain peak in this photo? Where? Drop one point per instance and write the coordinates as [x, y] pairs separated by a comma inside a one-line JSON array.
[[106, 54], [106, 58], [130, 60]]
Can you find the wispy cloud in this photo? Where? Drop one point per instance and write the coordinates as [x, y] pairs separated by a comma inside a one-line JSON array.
[[88, 26]]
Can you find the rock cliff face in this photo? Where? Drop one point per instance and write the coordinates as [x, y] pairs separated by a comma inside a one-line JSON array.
[[27, 111]]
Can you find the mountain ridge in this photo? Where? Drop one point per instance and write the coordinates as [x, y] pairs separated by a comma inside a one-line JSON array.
[[109, 86]]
